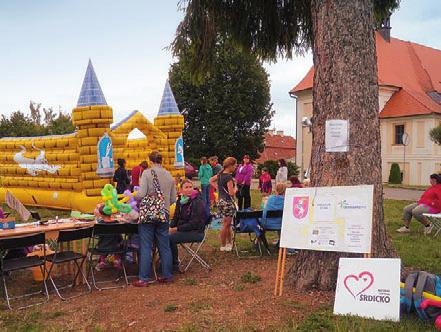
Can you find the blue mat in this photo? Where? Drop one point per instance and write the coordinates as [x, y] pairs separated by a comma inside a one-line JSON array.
[[216, 224]]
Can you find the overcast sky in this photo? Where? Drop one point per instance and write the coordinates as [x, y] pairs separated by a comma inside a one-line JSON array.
[[45, 47]]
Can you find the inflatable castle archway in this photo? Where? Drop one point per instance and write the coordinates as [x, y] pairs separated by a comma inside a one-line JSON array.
[[69, 171]]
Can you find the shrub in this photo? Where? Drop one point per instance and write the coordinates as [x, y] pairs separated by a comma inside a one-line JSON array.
[[395, 174]]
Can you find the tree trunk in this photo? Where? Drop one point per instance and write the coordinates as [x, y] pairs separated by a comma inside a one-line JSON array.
[[345, 87]]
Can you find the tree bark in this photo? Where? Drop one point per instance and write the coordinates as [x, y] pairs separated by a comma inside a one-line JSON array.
[[345, 87]]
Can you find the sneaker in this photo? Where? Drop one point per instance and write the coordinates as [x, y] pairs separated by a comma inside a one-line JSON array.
[[228, 247], [428, 229], [142, 283], [403, 229], [222, 248]]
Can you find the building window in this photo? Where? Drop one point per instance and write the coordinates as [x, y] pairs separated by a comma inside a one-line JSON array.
[[399, 131]]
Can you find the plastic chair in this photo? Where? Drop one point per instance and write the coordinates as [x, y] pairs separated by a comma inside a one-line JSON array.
[[122, 229], [61, 257], [22, 263]]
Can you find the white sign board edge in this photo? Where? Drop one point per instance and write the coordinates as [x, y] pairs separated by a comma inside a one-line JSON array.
[[356, 296], [292, 242]]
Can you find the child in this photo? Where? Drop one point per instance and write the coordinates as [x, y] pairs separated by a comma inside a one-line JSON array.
[[265, 183], [107, 242]]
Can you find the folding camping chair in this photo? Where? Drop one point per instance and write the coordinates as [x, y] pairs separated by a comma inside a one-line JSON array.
[[122, 229], [435, 219], [22, 263], [194, 253], [243, 215], [272, 214], [61, 257]]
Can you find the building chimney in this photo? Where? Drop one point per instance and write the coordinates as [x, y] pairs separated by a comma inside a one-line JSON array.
[[279, 132], [385, 29]]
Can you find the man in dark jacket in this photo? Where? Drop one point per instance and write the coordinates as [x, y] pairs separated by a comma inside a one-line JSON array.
[[188, 221]]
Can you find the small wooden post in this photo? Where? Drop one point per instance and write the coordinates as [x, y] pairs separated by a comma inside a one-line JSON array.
[[282, 274], [279, 260]]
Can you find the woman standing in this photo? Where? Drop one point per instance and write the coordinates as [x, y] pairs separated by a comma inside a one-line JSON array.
[[205, 173], [243, 180], [121, 177], [224, 182], [282, 172]]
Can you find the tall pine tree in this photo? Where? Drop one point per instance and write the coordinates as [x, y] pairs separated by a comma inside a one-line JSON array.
[[341, 36]]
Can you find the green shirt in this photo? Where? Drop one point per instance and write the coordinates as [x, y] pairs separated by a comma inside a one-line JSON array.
[[205, 173]]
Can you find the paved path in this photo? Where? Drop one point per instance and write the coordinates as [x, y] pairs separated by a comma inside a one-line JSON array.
[[402, 194]]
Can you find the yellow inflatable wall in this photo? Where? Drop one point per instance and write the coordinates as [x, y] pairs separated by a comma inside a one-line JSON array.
[[60, 171]]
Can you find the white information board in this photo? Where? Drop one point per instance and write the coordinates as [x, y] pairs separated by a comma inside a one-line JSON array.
[[368, 287], [328, 219], [337, 136]]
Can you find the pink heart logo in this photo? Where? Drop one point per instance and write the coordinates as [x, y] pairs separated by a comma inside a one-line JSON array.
[[364, 280]]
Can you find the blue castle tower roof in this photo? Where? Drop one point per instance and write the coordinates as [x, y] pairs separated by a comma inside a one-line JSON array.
[[168, 103], [91, 93]]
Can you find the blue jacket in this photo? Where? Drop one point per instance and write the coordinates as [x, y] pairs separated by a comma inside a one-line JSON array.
[[274, 203]]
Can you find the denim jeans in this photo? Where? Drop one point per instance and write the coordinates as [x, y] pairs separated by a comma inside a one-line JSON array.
[[183, 237], [206, 196], [148, 234]]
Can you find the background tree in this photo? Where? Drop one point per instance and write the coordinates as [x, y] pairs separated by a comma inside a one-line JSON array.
[[38, 122], [435, 135], [341, 35], [229, 112], [61, 124]]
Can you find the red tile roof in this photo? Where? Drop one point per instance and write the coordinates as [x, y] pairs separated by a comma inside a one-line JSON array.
[[278, 147], [414, 68]]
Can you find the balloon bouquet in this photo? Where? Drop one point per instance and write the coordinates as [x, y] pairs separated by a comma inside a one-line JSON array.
[[112, 204]]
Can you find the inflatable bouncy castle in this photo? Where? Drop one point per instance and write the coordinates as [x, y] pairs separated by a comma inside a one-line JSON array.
[[69, 171]]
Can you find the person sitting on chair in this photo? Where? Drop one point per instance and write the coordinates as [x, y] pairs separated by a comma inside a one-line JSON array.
[[274, 203], [430, 202], [188, 221]]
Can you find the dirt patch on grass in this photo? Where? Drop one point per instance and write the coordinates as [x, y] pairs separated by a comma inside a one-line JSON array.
[[236, 295]]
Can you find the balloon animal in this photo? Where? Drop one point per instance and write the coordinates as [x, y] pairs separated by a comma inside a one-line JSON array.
[[129, 198], [111, 202]]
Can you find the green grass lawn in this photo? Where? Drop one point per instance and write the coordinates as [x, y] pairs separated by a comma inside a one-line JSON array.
[[417, 252]]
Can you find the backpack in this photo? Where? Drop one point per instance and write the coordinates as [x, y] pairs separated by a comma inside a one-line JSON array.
[[412, 295], [152, 207]]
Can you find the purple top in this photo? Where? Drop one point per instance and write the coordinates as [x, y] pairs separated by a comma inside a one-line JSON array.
[[244, 174]]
